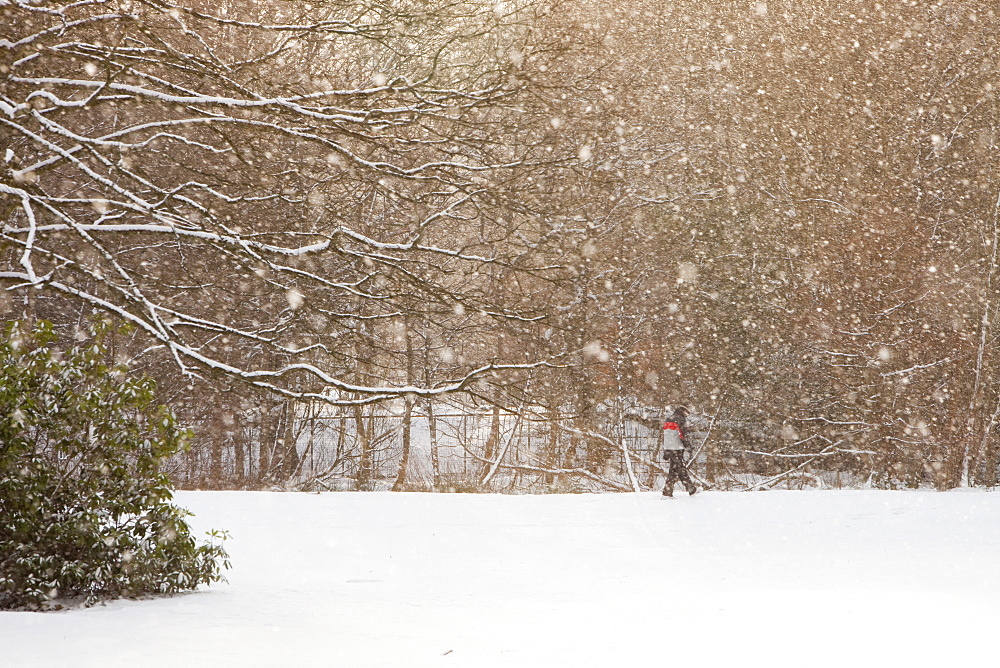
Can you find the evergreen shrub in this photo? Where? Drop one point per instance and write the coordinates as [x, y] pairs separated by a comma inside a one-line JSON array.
[[85, 512]]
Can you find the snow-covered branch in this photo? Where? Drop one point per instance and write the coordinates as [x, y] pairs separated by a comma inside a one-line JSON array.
[[162, 166]]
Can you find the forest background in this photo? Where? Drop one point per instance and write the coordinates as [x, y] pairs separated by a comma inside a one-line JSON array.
[[356, 242]]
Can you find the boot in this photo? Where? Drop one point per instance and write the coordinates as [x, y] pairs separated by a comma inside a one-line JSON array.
[[692, 490]]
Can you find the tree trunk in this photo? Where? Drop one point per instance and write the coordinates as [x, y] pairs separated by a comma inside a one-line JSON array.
[[268, 434], [432, 427], [216, 439], [239, 450], [553, 444], [431, 420], [289, 444], [404, 458], [492, 444], [363, 479]]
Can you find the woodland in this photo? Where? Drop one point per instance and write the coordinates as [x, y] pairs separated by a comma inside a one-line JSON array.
[[357, 241]]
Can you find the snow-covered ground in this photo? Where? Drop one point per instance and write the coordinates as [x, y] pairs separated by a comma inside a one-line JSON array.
[[411, 580]]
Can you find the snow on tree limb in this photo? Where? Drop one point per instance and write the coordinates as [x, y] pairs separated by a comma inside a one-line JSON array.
[[165, 170]]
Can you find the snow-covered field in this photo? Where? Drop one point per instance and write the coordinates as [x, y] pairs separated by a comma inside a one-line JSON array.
[[410, 580]]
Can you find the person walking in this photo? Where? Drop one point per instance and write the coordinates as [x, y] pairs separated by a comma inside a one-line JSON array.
[[674, 444], [674, 440]]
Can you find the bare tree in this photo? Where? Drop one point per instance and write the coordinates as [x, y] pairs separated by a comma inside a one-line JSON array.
[[163, 167]]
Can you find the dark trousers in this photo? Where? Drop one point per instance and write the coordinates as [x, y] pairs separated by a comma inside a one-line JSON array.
[[677, 471]]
